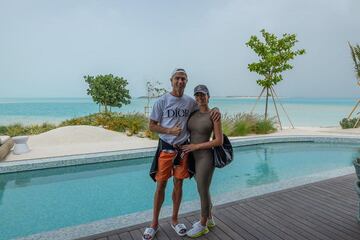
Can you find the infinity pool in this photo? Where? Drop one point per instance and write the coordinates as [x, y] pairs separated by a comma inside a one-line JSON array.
[[45, 200]]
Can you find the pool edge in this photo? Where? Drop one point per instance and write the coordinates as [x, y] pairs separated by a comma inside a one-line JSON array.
[[71, 160]]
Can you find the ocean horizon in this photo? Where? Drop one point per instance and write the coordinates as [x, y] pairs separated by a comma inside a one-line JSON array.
[[316, 112]]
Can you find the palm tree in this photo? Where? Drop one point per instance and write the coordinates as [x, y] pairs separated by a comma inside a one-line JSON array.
[[355, 53]]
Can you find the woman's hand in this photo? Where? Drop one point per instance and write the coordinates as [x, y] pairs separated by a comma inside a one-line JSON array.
[[189, 148]]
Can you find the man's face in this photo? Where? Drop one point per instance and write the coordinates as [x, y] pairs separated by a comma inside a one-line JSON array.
[[178, 81]]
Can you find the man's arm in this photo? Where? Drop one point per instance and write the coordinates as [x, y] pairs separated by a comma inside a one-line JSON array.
[[154, 126]]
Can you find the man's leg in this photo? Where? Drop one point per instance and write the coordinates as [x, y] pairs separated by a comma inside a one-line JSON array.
[[176, 197], [163, 174], [158, 201]]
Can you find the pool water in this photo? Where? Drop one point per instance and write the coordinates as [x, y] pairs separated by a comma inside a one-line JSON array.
[[44, 200]]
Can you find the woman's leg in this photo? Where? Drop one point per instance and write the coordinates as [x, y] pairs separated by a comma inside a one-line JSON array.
[[204, 172]]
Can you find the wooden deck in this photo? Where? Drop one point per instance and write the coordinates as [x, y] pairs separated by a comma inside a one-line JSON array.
[[319, 211]]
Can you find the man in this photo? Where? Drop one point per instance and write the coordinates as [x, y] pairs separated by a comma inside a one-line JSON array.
[[169, 118]]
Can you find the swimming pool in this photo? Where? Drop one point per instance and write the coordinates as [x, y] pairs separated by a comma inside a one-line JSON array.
[[44, 200]]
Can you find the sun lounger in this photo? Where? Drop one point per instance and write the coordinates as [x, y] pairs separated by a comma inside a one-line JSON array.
[[6, 147]]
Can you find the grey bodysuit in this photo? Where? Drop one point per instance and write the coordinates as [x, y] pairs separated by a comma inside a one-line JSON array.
[[201, 127]]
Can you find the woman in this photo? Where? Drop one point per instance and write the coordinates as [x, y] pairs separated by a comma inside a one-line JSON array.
[[201, 126]]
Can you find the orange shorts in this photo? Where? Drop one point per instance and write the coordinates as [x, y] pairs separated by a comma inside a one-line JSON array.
[[166, 168]]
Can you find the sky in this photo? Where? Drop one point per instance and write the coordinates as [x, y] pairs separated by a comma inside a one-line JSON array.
[[46, 47]]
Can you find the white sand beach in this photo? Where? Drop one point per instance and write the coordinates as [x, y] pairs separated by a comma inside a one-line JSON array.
[[73, 140]]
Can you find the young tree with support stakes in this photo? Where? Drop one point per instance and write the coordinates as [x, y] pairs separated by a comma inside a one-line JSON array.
[[355, 54], [108, 90], [153, 90], [274, 54]]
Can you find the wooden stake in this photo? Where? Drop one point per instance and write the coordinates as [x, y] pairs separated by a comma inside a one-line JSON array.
[[282, 107], [252, 110], [356, 123], [277, 113], [357, 104], [267, 99]]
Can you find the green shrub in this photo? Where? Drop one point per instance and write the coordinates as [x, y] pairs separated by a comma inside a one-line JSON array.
[[15, 130], [235, 125], [86, 120], [134, 122], [241, 128], [264, 126], [244, 124], [18, 129], [3, 130], [37, 129], [345, 123], [151, 135]]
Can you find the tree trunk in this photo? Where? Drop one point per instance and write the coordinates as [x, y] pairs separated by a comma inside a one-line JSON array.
[[267, 100]]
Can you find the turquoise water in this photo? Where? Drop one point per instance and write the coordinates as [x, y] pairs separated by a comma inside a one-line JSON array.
[[302, 111], [44, 200]]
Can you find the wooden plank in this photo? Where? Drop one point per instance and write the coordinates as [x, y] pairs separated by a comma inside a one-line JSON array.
[[238, 226], [274, 228], [226, 229], [330, 202], [161, 235], [325, 210], [324, 217], [125, 236], [326, 203], [291, 221], [253, 224], [170, 232], [310, 219], [136, 234], [114, 237], [332, 212], [346, 198], [338, 193], [278, 222]]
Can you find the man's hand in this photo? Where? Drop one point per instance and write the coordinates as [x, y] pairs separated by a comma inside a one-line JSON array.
[[215, 114], [175, 130], [189, 148]]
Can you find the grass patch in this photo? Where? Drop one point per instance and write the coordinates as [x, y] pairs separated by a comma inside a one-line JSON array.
[[133, 123], [18, 129], [244, 124]]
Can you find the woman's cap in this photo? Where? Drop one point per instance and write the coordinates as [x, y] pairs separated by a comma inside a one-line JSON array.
[[201, 89]]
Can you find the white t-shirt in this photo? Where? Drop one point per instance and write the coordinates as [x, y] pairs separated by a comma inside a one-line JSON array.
[[169, 110]]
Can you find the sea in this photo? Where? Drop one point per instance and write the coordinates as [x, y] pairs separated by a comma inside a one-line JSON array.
[[315, 112]]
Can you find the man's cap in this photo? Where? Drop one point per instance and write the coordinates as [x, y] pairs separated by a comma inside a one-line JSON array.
[[201, 89], [178, 70]]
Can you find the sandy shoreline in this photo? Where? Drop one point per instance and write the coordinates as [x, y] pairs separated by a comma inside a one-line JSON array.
[[72, 140]]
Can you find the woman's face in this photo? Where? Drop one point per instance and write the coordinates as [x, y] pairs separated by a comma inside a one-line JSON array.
[[202, 99]]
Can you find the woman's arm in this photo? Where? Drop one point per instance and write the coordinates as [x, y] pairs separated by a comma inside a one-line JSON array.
[[217, 141]]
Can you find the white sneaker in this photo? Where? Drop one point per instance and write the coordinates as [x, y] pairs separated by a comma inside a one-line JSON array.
[[197, 230], [210, 223]]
